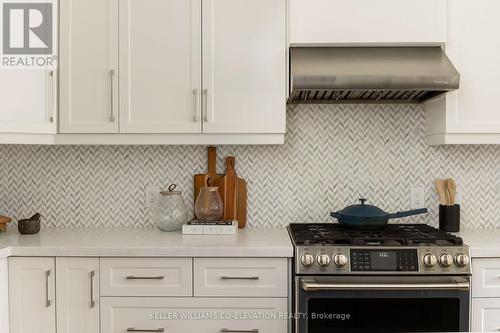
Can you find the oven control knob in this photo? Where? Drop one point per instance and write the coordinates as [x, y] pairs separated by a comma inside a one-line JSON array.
[[462, 260], [446, 260], [307, 259], [323, 259], [429, 260], [340, 260]]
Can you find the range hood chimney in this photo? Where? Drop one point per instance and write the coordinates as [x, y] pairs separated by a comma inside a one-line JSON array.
[[369, 74]]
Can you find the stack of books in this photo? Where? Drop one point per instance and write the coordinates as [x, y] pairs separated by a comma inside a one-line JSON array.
[[197, 227]]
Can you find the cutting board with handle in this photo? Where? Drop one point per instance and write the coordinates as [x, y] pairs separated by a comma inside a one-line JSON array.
[[209, 178], [233, 191]]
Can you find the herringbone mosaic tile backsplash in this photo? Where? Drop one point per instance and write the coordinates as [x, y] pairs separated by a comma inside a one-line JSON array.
[[332, 156]]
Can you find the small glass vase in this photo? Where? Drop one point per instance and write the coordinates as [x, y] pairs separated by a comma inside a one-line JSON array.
[[209, 206], [170, 211]]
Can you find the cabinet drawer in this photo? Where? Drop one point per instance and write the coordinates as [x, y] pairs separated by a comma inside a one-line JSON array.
[[263, 277], [146, 277], [486, 277], [200, 315], [485, 315]]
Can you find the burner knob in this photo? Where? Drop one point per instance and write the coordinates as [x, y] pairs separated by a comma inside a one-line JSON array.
[[429, 260], [446, 260], [340, 260], [462, 260], [307, 259], [323, 259]]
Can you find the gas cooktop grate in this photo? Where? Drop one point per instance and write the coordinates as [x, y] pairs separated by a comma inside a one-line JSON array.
[[392, 235]]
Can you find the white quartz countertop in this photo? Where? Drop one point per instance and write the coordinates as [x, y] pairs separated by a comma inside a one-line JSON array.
[[145, 242], [484, 243]]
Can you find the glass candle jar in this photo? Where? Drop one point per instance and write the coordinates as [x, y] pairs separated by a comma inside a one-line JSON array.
[[209, 206], [171, 212]]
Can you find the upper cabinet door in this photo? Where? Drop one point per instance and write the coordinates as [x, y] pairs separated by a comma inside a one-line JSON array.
[[367, 21], [160, 66], [89, 66], [244, 66], [474, 107], [29, 101], [32, 295]]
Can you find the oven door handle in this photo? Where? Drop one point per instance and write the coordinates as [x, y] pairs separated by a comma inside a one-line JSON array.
[[320, 286]]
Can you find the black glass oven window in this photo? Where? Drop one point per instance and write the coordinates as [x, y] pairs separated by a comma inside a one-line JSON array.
[[383, 315]]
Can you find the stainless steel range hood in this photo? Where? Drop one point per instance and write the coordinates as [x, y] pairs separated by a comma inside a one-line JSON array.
[[369, 74]]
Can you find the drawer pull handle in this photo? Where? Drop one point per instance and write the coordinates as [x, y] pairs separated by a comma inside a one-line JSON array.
[[47, 300], [240, 277], [226, 330], [131, 329], [132, 277], [92, 301]]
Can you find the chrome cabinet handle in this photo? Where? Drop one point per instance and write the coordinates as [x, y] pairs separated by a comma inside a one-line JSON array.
[[131, 329], [52, 90], [240, 277], [47, 300], [195, 105], [226, 330], [133, 277], [112, 104], [92, 301], [205, 109]]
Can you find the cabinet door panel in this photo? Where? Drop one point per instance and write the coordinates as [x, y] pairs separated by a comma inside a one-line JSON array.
[[32, 295], [160, 66], [89, 55], [485, 315], [474, 107], [77, 295], [244, 73], [367, 21], [28, 101]]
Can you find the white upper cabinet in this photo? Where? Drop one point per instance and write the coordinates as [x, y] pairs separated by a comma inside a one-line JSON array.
[[470, 115], [367, 21], [244, 66], [89, 66], [160, 66], [29, 101]]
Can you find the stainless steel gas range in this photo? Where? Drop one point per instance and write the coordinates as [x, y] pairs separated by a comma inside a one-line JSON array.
[[403, 278]]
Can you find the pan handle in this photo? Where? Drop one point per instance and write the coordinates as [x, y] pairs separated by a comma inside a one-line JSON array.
[[335, 215], [408, 213]]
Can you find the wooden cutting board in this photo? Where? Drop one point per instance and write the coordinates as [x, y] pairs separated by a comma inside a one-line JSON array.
[[4, 220], [233, 191], [241, 202], [209, 178]]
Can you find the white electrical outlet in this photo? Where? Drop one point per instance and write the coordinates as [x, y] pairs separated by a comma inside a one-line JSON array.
[[152, 193], [417, 197]]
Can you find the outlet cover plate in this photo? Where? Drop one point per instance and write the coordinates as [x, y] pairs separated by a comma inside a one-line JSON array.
[[151, 195], [417, 198]]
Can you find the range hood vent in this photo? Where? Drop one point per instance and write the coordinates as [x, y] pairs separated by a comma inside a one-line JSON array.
[[369, 74]]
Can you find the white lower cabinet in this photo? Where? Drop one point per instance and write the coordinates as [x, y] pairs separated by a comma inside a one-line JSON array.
[[201, 315], [485, 295], [32, 295], [77, 295], [485, 315], [112, 295]]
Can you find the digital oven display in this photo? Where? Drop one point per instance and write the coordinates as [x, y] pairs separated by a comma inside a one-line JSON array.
[[384, 260]]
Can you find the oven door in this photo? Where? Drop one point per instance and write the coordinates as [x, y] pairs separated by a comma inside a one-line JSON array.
[[381, 304]]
